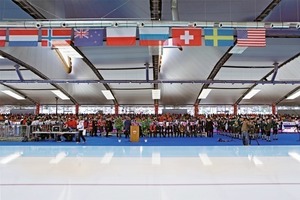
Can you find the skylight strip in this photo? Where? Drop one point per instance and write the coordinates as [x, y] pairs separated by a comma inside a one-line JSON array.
[[14, 95], [61, 95], [204, 93], [251, 94]]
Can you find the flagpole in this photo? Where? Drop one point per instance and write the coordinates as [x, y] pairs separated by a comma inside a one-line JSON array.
[[144, 23]]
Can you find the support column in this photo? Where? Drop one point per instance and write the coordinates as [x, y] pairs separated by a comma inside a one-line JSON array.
[[37, 109], [77, 109], [56, 105], [156, 109], [274, 109], [196, 110], [116, 109], [235, 109]]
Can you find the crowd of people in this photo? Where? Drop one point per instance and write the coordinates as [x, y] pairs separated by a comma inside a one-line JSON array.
[[163, 125]]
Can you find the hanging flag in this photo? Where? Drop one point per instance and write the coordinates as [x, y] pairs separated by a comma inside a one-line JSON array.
[[23, 37], [251, 38], [120, 36], [187, 36], [56, 37], [2, 37], [153, 36], [218, 37], [88, 37]]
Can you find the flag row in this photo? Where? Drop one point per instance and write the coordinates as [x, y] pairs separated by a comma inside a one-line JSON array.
[[127, 36]]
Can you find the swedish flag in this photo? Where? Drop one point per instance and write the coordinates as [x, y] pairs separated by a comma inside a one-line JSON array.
[[218, 37]]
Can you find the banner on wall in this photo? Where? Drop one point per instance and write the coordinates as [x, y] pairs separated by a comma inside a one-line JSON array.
[[289, 127]]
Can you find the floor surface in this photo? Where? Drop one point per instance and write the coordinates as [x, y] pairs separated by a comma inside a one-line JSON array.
[[149, 172]]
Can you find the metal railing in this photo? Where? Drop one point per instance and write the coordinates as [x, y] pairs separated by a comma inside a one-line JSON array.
[[14, 132]]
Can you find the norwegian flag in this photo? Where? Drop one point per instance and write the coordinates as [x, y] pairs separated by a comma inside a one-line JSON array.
[[56, 37]]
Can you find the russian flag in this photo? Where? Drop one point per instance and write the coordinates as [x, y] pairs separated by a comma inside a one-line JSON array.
[[121, 36], [23, 37], [153, 36]]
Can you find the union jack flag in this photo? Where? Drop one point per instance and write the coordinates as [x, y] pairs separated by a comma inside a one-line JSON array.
[[88, 37], [81, 33]]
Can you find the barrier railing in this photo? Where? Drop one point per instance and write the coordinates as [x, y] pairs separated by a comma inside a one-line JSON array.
[[14, 132]]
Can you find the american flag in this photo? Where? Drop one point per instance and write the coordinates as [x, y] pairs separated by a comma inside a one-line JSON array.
[[251, 38]]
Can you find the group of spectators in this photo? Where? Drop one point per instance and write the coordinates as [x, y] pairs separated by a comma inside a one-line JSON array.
[[163, 125]]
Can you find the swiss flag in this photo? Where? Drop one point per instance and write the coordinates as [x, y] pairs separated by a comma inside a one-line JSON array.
[[187, 36]]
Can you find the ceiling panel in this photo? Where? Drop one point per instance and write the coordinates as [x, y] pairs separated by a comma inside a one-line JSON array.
[[130, 86], [85, 93], [44, 60], [216, 10], [269, 94], [134, 97], [290, 71], [6, 64], [139, 74], [241, 74], [7, 100], [179, 94], [32, 86], [193, 63], [231, 86], [135, 56], [223, 96], [10, 11], [27, 75], [287, 10], [93, 8], [277, 50], [44, 97]]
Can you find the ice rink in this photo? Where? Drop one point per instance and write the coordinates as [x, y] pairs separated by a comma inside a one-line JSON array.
[[149, 172]]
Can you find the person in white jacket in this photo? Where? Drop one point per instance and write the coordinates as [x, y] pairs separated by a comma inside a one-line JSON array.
[[80, 128]]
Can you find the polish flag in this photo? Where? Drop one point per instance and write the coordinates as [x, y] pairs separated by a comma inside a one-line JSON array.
[[2, 37], [121, 36], [187, 36]]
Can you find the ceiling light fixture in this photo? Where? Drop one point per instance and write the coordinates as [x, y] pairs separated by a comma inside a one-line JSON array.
[[294, 95], [14, 95], [156, 94], [108, 95], [251, 94], [204, 93], [61, 95]]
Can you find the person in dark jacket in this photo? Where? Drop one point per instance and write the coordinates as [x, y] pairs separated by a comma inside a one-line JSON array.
[[209, 127], [108, 126], [127, 124]]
